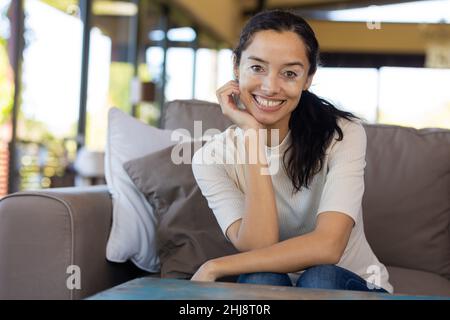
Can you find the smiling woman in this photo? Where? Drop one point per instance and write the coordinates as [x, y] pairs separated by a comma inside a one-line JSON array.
[[301, 225], [271, 77]]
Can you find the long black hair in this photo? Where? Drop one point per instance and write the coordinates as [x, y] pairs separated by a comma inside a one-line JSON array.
[[314, 121]]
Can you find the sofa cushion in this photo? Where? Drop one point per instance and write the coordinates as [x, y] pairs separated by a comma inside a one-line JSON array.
[[133, 224], [407, 281], [406, 204], [187, 234]]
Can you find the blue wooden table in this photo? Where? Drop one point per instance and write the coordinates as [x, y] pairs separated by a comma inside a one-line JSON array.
[[149, 288]]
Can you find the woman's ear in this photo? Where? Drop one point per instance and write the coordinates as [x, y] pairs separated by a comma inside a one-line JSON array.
[[236, 73]]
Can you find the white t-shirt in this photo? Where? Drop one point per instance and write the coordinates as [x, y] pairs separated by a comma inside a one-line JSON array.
[[219, 170]]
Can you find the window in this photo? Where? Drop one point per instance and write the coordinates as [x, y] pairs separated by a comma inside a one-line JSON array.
[[111, 66], [349, 89], [416, 97], [180, 63], [412, 97], [49, 102], [214, 68]]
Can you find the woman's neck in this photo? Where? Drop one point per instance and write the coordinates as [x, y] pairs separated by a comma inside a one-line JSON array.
[[282, 133]]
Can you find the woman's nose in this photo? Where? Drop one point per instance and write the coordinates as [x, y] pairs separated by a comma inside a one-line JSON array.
[[270, 85]]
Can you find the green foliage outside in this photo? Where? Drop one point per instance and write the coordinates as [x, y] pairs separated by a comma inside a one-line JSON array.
[[6, 84], [119, 85], [119, 96]]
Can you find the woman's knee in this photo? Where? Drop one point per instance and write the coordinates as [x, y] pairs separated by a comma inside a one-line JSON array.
[[334, 278], [325, 276], [266, 278]]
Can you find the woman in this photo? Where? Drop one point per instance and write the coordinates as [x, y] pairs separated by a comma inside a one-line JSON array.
[[301, 225]]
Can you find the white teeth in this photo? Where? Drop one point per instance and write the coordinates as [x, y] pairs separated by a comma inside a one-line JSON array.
[[268, 103]]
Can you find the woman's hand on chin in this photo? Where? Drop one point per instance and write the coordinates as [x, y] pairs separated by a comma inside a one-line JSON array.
[[242, 118]]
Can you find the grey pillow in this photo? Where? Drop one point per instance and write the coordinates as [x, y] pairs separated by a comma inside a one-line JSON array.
[[187, 232]]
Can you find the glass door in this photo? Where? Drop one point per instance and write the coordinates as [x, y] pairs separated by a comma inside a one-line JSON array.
[[49, 95]]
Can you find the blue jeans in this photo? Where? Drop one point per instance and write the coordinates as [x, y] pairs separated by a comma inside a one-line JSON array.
[[319, 277]]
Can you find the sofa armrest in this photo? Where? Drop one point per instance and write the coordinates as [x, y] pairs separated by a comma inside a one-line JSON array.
[[42, 233]]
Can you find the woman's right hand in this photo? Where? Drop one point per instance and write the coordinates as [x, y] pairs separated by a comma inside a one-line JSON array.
[[242, 118]]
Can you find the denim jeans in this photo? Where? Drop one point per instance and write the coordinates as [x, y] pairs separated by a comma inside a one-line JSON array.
[[318, 277]]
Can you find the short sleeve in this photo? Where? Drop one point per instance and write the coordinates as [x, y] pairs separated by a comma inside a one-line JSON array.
[[224, 198], [344, 183]]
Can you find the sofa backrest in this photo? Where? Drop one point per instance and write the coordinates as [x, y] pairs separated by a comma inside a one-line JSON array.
[[406, 204], [182, 114]]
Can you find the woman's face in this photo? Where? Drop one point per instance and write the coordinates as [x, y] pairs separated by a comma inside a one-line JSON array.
[[272, 73]]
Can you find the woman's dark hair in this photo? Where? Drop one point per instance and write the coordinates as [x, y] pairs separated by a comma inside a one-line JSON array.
[[314, 121]]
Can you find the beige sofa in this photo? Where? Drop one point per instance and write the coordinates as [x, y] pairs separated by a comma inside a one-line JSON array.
[[406, 215]]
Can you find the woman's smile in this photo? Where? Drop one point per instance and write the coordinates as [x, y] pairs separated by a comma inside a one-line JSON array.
[[268, 105]]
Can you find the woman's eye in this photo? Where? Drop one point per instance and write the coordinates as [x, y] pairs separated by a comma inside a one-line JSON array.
[[290, 74], [256, 68]]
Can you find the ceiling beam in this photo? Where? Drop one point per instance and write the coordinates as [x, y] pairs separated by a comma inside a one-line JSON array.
[[221, 18], [331, 5], [410, 38], [318, 9]]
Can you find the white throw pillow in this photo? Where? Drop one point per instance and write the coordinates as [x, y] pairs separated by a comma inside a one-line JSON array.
[[133, 227]]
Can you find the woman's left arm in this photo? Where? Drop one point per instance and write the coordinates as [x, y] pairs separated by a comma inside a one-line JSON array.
[[324, 245], [337, 213]]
